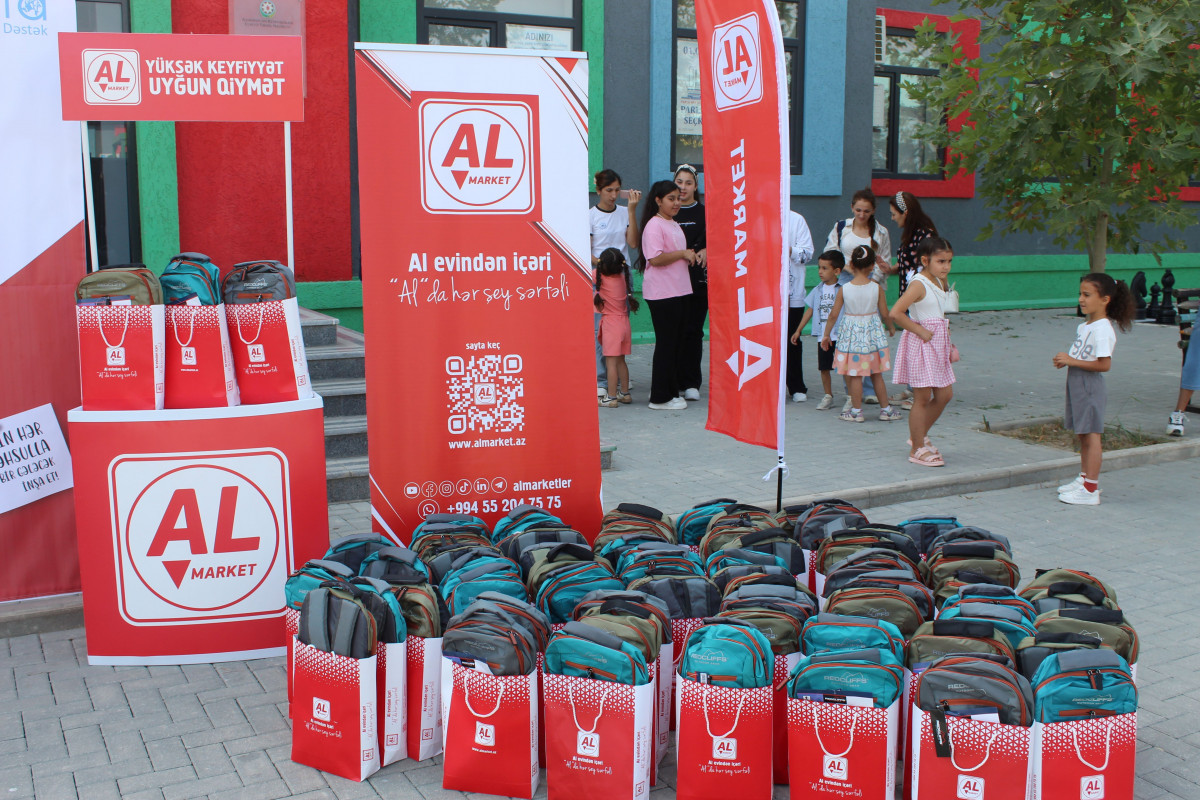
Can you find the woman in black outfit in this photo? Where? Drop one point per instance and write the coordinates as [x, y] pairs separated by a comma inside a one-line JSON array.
[[691, 219], [915, 227]]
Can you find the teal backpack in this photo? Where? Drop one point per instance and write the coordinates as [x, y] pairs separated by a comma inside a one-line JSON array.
[[1082, 684], [872, 672], [693, 523], [395, 565], [522, 518], [562, 589], [461, 586], [391, 625], [826, 632], [728, 652], [924, 530], [992, 594], [657, 558], [310, 576], [459, 520], [191, 273], [353, 550], [1008, 621], [585, 651]]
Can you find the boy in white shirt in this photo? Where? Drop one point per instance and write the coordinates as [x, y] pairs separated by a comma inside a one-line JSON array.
[[819, 304]]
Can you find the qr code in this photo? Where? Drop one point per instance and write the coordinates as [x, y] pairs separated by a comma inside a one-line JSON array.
[[484, 393]]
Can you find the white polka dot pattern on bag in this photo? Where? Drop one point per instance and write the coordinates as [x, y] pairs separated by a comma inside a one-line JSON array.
[[483, 689], [585, 693], [328, 668]]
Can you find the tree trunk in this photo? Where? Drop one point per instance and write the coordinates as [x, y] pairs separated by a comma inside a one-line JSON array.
[[1098, 244]]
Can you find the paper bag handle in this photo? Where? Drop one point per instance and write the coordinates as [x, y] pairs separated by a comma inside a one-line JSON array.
[[987, 753], [704, 687], [1107, 747], [467, 696], [817, 731]]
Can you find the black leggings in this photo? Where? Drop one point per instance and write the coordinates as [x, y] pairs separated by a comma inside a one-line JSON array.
[[795, 373], [689, 373], [667, 315]]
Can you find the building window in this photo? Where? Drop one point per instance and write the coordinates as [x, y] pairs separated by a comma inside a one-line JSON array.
[[112, 157], [686, 140], [517, 24], [898, 159]]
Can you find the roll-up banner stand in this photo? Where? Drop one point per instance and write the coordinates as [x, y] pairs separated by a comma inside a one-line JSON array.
[[477, 285]]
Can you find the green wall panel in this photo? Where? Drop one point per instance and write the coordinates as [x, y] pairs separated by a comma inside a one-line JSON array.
[[390, 21]]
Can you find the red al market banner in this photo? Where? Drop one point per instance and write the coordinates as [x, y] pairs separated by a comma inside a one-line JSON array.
[[744, 107], [182, 77], [477, 289]]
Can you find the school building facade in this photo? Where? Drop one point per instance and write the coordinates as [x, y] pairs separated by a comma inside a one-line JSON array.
[[218, 188]]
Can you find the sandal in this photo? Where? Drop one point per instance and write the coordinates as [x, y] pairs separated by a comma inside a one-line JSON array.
[[927, 458], [928, 445]]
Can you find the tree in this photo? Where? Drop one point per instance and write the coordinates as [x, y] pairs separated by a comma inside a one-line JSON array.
[[1082, 117]]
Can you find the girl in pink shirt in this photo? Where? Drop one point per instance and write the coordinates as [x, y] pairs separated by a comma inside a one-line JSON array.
[[665, 258]]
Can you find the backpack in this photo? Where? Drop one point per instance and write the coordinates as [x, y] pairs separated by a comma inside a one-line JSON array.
[[352, 550], [969, 533], [788, 550], [870, 562], [441, 559], [636, 626], [638, 605], [612, 548], [505, 632], [562, 589], [134, 281], [379, 600], [898, 579], [1069, 581], [191, 273], [733, 521], [744, 538], [736, 556], [841, 544], [877, 602], [466, 521], [686, 596], [872, 672], [635, 518], [943, 637], [394, 565], [795, 600], [256, 281], [780, 628], [1010, 622], [823, 520], [923, 530], [737, 575], [586, 651], [949, 561], [335, 621], [313, 574], [1083, 684], [693, 523], [658, 558], [728, 652], [836, 632], [1031, 652], [496, 574], [521, 518], [994, 595], [1109, 625], [431, 538], [513, 545], [424, 611], [539, 563], [967, 685]]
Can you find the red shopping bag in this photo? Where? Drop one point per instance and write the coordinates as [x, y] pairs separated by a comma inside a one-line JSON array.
[[1092, 759], [199, 371], [268, 351], [489, 730], [598, 738], [723, 741], [391, 660], [680, 630], [333, 727], [840, 750], [291, 626], [664, 701], [121, 362], [984, 760], [779, 714], [423, 687]]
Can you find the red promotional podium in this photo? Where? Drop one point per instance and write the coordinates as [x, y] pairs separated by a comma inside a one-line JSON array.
[[189, 522]]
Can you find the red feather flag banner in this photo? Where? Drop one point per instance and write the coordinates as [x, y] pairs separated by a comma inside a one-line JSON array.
[[747, 187]]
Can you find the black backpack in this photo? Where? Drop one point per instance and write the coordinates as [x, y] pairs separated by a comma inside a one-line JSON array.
[[256, 281]]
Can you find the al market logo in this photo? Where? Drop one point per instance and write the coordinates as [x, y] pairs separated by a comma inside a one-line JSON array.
[[199, 536], [737, 63], [112, 77], [479, 156]]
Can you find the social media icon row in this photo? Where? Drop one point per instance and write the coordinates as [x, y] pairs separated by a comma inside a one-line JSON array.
[[463, 486]]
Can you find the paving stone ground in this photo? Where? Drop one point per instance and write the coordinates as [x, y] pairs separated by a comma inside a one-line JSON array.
[[221, 730]]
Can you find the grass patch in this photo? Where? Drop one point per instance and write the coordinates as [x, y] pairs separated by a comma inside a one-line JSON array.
[[1053, 434]]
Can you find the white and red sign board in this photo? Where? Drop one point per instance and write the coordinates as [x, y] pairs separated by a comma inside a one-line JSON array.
[[189, 522], [182, 77], [987, 761], [1090, 759], [34, 459], [723, 741], [475, 241], [839, 751], [334, 714], [744, 103], [489, 731]]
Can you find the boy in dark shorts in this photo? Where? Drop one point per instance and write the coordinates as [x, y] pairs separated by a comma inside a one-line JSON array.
[[818, 304]]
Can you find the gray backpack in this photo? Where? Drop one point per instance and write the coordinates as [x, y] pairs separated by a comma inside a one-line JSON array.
[[335, 621], [256, 281], [507, 639], [963, 685]]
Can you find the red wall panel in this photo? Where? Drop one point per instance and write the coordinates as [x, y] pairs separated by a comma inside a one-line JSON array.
[[231, 181]]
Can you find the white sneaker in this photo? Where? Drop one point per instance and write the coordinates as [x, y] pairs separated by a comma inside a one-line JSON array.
[[799, 397], [601, 391], [691, 394], [1072, 486], [1080, 497], [849, 404], [1175, 425], [674, 404], [826, 402], [871, 400]]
